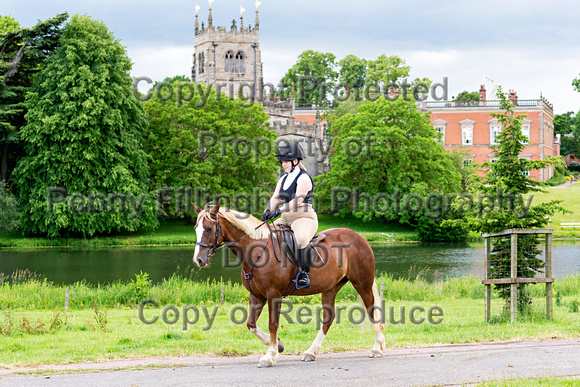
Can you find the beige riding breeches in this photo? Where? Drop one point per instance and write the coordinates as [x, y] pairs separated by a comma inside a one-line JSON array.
[[303, 221]]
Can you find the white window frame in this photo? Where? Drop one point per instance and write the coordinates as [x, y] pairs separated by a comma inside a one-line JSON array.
[[527, 157], [494, 129], [440, 126], [526, 129], [467, 128]]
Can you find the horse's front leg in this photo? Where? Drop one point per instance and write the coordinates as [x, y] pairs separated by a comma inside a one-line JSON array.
[[256, 306], [274, 306]]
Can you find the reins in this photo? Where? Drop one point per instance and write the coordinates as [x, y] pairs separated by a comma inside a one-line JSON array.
[[214, 249]]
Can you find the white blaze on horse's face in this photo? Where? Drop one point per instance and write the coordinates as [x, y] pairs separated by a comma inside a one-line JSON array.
[[199, 235]]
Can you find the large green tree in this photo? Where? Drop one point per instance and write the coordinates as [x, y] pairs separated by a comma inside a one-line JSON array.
[[568, 126], [313, 76], [391, 74], [22, 51], [83, 140], [353, 73], [209, 146], [385, 148]]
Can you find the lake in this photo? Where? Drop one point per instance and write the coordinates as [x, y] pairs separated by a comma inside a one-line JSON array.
[[66, 266]]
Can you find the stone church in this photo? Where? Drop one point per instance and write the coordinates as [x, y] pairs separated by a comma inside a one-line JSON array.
[[230, 60]]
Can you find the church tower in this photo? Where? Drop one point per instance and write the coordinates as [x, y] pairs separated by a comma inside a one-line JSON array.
[[230, 61]]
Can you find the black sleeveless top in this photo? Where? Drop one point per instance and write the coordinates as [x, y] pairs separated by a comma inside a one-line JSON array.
[[287, 195]]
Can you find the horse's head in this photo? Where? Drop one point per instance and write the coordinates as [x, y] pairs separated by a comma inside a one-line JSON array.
[[209, 235]]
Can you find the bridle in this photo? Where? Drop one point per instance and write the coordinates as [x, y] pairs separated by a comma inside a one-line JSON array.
[[218, 230]]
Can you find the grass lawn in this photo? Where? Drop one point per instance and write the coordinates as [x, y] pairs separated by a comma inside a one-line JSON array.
[[81, 335], [571, 198]]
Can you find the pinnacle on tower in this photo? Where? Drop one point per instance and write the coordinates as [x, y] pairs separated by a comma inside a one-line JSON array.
[[257, 22], [210, 18], [197, 8], [242, 10]]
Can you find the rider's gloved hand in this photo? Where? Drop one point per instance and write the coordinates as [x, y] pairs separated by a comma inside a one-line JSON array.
[[265, 215], [274, 214]]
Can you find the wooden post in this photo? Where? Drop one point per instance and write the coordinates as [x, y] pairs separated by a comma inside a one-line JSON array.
[[514, 275], [381, 293], [548, 272], [66, 295], [486, 264]]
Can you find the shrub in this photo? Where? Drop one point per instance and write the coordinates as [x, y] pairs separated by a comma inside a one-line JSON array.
[[556, 180]]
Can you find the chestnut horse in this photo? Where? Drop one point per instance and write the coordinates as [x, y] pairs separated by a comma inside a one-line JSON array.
[[343, 256]]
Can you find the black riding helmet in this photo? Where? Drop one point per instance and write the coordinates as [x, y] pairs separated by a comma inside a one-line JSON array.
[[290, 152]]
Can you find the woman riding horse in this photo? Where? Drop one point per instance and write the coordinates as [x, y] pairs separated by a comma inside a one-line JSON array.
[[345, 256], [294, 193]]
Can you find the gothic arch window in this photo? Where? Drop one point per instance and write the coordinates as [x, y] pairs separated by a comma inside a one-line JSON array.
[[229, 67], [201, 63], [239, 63]]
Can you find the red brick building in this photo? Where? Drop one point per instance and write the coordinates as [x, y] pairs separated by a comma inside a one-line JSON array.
[[469, 126]]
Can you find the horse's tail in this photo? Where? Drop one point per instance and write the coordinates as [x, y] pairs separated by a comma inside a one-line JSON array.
[[378, 316]]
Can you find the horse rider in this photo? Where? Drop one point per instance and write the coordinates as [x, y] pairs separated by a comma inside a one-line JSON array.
[[293, 200]]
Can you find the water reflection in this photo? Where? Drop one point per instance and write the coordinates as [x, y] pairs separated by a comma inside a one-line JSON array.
[[431, 262]]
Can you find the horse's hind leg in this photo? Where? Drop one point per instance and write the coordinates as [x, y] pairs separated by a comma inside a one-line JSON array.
[[328, 299], [372, 301]]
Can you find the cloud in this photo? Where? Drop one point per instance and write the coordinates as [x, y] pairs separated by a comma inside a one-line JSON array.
[[529, 45]]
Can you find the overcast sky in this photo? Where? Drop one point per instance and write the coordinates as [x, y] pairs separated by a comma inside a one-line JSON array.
[[531, 46]]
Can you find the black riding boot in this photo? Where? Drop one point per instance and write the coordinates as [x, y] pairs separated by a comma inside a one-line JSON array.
[[302, 279]]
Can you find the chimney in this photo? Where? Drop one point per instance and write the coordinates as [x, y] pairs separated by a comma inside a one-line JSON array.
[[514, 97], [482, 96]]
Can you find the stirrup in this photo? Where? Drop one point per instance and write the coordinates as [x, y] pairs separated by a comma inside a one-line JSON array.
[[302, 277]]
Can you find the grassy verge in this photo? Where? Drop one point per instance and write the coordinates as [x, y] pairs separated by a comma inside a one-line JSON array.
[[177, 232], [522, 382], [103, 323], [83, 336]]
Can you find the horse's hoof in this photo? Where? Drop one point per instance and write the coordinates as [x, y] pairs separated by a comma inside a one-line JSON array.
[[375, 353], [268, 360], [280, 346], [308, 357], [265, 363]]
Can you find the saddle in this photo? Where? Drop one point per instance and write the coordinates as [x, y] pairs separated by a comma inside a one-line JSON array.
[[287, 244]]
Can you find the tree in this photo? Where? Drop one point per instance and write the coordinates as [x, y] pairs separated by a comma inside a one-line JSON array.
[[22, 51], [386, 148], [353, 73], [83, 140], [390, 74], [564, 123], [576, 84], [509, 179], [467, 96], [222, 147], [387, 70], [310, 75], [568, 126]]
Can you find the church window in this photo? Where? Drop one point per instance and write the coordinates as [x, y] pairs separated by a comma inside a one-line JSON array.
[[239, 64], [229, 68], [201, 63]]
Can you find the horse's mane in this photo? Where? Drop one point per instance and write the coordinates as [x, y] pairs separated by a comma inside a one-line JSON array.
[[245, 222]]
